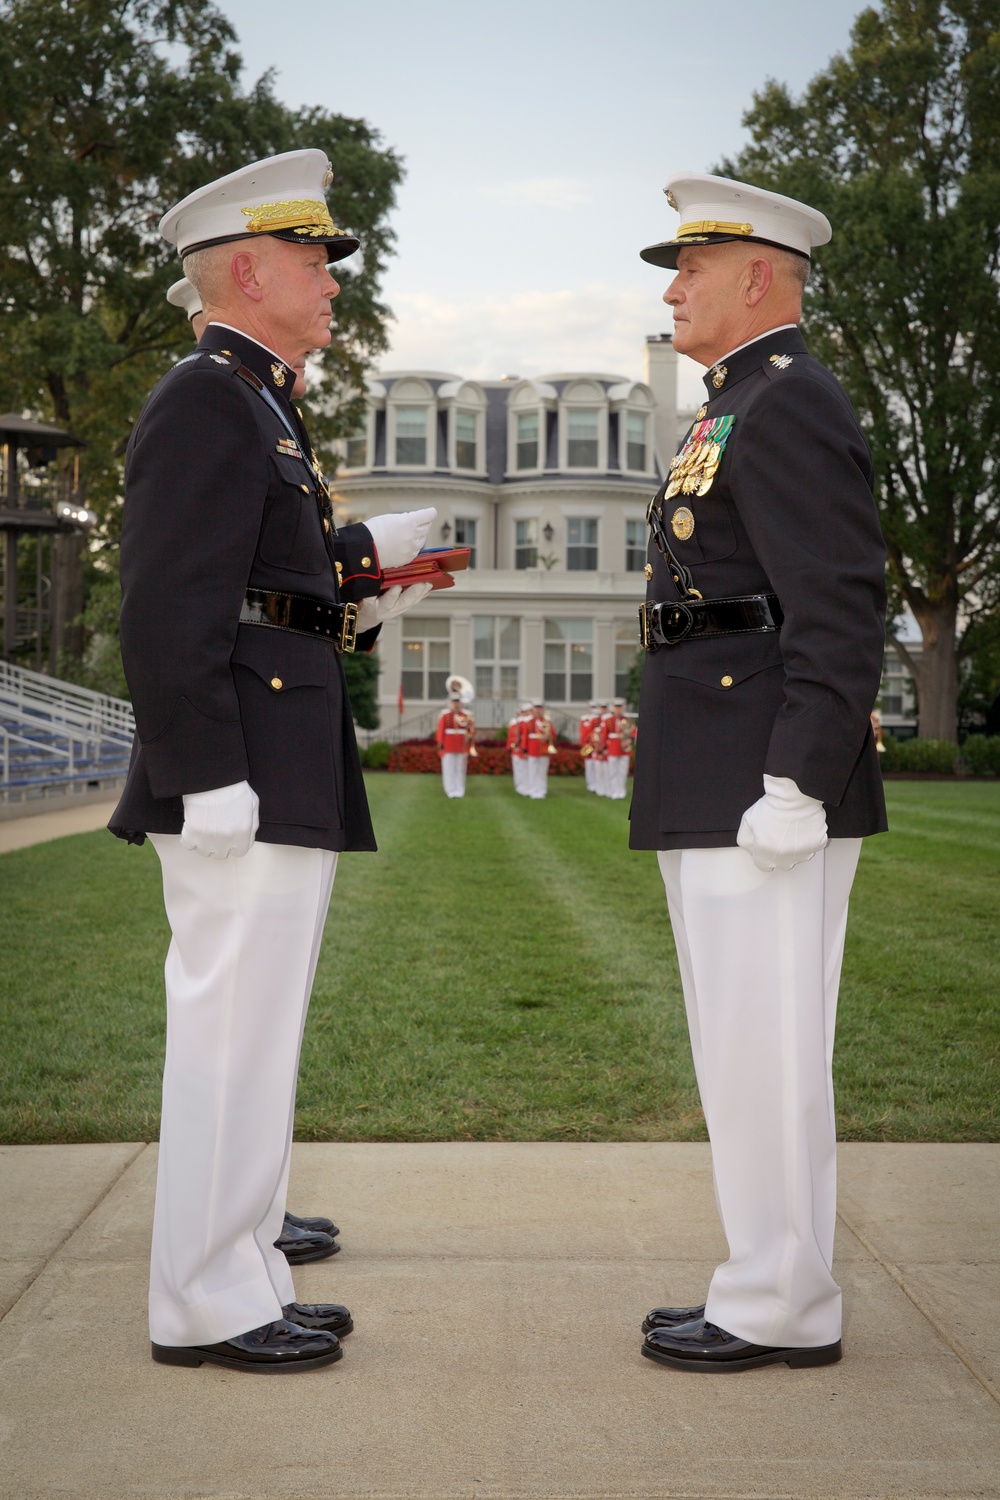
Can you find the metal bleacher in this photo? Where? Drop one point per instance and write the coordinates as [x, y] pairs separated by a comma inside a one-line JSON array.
[[57, 740]]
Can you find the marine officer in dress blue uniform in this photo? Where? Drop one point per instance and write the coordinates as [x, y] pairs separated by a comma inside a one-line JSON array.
[[302, 1239], [756, 772], [239, 596]]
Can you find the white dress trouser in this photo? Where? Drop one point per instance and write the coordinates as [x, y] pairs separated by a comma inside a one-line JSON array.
[[588, 773], [760, 958], [453, 769], [538, 784], [517, 765], [617, 776], [239, 972]]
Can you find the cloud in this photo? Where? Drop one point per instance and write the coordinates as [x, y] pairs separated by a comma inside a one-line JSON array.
[[540, 192], [594, 327]]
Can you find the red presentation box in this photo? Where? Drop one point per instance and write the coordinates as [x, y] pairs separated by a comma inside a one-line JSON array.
[[434, 565]]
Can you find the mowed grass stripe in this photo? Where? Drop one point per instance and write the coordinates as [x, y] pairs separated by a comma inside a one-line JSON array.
[[504, 1018], [504, 970]]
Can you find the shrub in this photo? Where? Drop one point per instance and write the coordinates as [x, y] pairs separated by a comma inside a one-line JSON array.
[[981, 755], [932, 757], [376, 757]]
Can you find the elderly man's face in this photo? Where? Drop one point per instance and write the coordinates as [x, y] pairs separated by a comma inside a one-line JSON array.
[[707, 300], [297, 290]]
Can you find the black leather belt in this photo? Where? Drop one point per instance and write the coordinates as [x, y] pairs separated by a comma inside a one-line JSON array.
[[671, 622], [335, 622]]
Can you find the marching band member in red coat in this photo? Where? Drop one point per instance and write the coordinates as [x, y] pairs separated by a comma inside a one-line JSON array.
[[540, 739], [587, 722], [454, 734]]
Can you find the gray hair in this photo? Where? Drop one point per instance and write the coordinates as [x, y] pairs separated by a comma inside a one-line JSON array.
[[207, 270]]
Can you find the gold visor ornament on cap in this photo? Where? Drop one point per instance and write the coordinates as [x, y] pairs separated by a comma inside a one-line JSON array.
[[306, 216], [713, 226]]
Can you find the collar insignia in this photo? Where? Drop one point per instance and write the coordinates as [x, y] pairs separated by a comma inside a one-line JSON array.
[[718, 374], [278, 373]]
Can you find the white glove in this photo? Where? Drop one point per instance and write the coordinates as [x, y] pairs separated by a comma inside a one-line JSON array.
[[395, 601], [399, 538], [220, 822], [784, 828]]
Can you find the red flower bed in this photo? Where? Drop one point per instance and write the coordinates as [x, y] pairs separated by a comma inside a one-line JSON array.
[[491, 760]]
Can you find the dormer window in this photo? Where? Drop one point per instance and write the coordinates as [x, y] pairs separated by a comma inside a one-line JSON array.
[[583, 427], [527, 440], [356, 447], [465, 440], [411, 437], [582, 438], [635, 430]]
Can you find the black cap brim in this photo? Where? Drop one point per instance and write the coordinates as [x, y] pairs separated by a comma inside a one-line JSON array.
[[340, 246], [666, 253]]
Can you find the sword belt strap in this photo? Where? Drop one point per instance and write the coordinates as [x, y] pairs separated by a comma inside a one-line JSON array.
[[673, 621], [305, 616]]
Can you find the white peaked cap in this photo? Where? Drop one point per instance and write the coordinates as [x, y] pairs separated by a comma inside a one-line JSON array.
[[280, 195], [183, 295], [714, 210]]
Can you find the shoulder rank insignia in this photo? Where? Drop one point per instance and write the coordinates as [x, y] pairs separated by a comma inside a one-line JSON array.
[[288, 448], [694, 467], [781, 361], [218, 359]]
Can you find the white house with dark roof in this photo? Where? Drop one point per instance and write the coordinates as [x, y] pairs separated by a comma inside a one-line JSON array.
[[547, 480]]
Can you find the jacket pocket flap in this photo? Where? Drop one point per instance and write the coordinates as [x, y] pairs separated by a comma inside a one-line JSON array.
[[282, 659], [722, 662]]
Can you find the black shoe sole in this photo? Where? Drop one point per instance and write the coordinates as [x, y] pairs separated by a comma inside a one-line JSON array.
[[164, 1354], [798, 1359], [300, 1260]]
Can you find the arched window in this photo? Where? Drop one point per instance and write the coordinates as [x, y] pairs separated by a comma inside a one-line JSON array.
[[412, 437], [465, 403], [583, 427], [528, 406]]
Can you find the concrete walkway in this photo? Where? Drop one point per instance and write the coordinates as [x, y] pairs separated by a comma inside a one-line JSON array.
[[498, 1291], [40, 827]]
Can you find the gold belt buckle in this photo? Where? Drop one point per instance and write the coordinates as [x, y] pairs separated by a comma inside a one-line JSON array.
[[349, 629], [644, 626]]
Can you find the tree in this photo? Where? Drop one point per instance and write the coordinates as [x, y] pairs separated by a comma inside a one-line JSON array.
[[898, 142], [361, 672], [111, 110]]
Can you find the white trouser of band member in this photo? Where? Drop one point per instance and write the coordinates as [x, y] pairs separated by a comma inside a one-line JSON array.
[[453, 769]]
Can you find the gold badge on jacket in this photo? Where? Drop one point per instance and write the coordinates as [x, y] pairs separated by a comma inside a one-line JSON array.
[[682, 523], [695, 466]]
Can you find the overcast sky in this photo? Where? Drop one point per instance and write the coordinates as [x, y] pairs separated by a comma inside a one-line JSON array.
[[537, 138]]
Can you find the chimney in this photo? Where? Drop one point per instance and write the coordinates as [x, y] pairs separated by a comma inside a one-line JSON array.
[[660, 374]]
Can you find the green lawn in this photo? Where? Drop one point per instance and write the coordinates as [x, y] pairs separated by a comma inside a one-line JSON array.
[[503, 969]]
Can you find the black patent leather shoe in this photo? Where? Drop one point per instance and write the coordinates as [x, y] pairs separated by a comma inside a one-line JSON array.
[[329, 1316], [702, 1346], [266, 1350], [299, 1245], [670, 1317], [321, 1225]]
